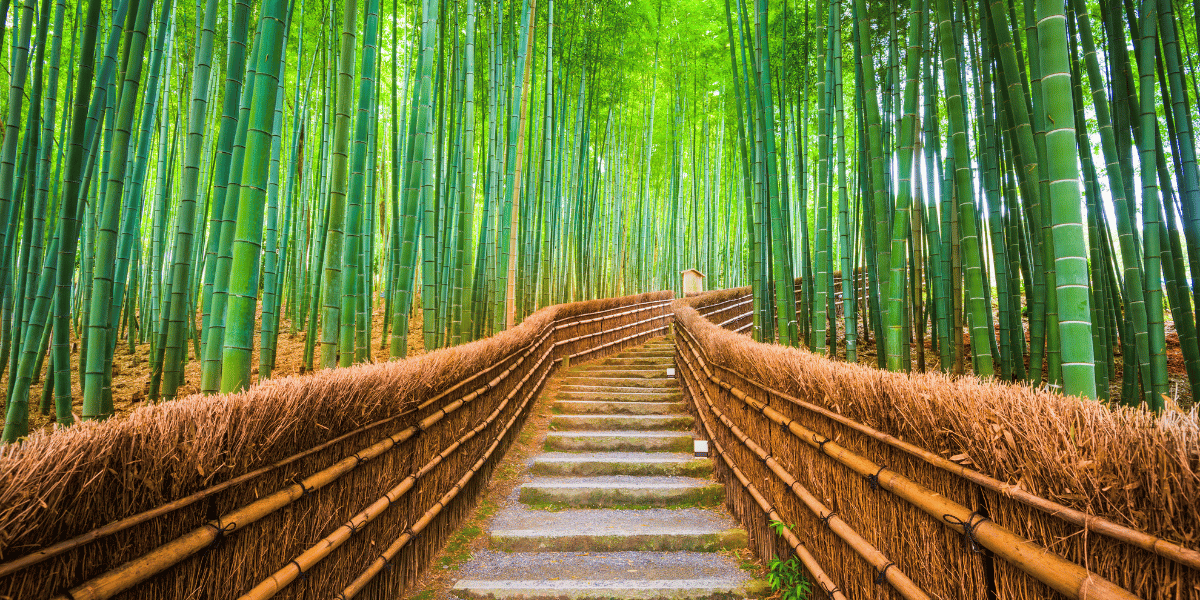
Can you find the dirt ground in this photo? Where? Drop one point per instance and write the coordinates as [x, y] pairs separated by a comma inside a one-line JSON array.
[[131, 372]]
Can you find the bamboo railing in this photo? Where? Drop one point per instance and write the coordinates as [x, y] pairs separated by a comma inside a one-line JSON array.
[[887, 511], [353, 507]]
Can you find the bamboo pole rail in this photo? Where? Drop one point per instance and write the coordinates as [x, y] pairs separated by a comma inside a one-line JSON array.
[[388, 554], [894, 576], [99, 533], [315, 553], [1051, 569], [140, 569], [1167, 549]]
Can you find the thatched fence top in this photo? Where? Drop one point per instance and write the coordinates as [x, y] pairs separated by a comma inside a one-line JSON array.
[[1058, 497], [341, 482]]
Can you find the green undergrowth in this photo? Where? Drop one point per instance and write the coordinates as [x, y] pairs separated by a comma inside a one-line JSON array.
[[787, 577], [458, 547]]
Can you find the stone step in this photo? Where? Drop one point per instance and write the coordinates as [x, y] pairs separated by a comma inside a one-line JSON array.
[[621, 490], [623, 371], [519, 529], [620, 441], [622, 422], [609, 379], [666, 354], [491, 575], [620, 463], [624, 394], [639, 361], [611, 407]]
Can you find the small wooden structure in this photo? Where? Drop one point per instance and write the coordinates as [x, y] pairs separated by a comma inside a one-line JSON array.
[[693, 282]]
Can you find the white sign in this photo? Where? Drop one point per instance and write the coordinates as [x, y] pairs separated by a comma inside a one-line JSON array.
[[671, 372], [701, 448]]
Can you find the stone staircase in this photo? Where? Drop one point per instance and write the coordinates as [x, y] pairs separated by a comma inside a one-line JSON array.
[[617, 506]]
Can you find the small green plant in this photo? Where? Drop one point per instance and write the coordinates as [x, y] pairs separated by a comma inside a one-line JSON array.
[[787, 577], [788, 580]]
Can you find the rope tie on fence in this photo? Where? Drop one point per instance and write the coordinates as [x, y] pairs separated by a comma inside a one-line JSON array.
[[360, 460], [821, 443], [826, 517], [352, 527], [305, 490], [387, 562], [873, 480], [968, 528], [302, 576], [222, 531], [881, 576]]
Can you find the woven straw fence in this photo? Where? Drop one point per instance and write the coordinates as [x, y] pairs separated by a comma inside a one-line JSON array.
[[344, 483], [926, 486]]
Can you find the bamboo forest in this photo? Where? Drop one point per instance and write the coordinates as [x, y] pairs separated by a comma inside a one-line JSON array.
[[193, 193]]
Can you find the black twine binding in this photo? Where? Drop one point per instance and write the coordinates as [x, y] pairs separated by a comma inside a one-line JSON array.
[[360, 460], [835, 590], [352, 527], [825, 518], [968, 528], [387, 562], [821, 444], [873, 480], [306, 491], [302, 576], [222, 531], [881, 576]]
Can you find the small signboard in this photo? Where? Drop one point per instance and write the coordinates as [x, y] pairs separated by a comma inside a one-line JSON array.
[[701, 448], [693, 282], [671, 372]]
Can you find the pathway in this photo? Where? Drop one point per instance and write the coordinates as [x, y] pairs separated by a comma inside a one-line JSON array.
[[617, 506]]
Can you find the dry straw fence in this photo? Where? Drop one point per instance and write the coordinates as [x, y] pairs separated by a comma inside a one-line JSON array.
[[930, 487], [338, 485]]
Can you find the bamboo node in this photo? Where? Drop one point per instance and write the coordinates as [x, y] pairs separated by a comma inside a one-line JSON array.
[[968, 528], [873, 480], [881, 576]]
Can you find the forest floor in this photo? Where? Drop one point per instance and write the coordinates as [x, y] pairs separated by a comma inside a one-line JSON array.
[[131, 371]]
